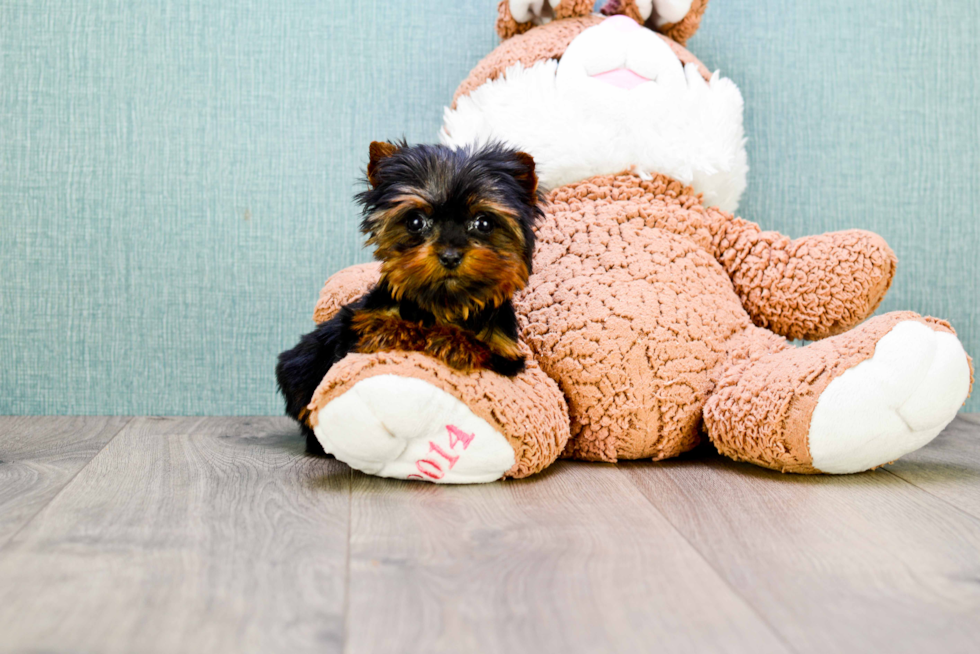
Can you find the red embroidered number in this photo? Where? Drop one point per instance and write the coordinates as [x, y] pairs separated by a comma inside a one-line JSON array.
[[431, 468], [433, 471], [452, 458], [457, 435]]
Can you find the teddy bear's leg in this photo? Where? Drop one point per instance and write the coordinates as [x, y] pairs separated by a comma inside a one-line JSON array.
[[408, 416], [846, 404]]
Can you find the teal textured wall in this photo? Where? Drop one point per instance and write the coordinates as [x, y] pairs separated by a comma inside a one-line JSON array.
[[175, 176]]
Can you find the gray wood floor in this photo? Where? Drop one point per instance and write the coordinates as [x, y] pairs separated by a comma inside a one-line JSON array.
[[220, 535]]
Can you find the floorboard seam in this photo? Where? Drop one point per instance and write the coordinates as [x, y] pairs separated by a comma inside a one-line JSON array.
[[347, 573], [930, 494], [772, 629], [11, 537]]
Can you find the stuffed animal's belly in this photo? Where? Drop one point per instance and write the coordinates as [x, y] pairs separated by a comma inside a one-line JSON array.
[[632, 321]]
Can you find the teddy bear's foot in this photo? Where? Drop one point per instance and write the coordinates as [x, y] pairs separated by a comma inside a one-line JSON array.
[[539, 12], [405, 428], [891, 404], [664, 12], [409, 416], [667, 11], [848, 403]]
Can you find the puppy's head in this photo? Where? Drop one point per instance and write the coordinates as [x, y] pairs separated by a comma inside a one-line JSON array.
[[452, 227]]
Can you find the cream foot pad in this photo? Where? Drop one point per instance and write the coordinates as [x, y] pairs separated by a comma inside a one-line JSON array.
[[891, 404], [406, 428]]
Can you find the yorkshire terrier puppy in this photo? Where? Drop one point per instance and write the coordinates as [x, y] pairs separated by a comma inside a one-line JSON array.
[[453, 230]]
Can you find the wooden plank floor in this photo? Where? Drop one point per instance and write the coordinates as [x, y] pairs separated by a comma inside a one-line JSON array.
[[221, 535]]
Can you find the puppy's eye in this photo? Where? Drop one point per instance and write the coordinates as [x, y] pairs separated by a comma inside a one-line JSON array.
[[482, 223], [416, 223]]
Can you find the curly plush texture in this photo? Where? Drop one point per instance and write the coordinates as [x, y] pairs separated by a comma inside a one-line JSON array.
[[810, 288], [629, 311], [642, 297], [761, 409], [507, 27], [528, 410], [345, 287], [573, 9]]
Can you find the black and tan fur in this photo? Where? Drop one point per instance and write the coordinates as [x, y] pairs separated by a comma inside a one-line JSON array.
[[453, 232]]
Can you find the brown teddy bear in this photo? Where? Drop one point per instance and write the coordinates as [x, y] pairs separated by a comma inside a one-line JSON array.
[[653, 316]]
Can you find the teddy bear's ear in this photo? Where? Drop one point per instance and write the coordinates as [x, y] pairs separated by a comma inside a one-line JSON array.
[[380, 150], [675, 19], [518, 16]]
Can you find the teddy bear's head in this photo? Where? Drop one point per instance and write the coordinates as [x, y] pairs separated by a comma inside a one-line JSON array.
[[595, 94]]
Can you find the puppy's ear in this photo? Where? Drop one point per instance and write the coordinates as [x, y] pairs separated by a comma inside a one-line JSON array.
[[380, 150], [527, 177]]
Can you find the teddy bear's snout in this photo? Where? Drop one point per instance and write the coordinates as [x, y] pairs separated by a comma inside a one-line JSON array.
[[621, 53]]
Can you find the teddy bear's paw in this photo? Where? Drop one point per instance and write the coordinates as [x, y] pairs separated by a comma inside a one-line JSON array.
[[536, 11], [402, 427], [664, 12], [891, 404], [667, 11]]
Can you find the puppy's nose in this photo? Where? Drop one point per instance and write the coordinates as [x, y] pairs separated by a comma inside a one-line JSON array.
[[450, 258]]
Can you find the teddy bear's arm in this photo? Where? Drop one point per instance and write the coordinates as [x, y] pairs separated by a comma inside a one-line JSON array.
[[344, 287], [810, 288]]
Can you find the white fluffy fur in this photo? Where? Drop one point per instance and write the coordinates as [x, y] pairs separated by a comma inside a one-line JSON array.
[[581, 127]]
